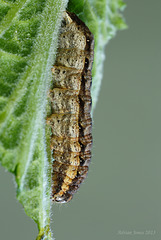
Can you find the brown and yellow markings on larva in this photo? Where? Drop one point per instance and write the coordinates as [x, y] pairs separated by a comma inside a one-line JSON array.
[[70, 119]]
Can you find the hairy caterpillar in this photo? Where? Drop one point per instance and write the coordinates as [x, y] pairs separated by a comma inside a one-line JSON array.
[[70, 119]]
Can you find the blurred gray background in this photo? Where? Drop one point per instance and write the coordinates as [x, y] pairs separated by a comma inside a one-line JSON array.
[[121, 198]]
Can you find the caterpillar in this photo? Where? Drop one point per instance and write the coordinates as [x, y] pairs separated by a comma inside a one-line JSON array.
[[70, 100]]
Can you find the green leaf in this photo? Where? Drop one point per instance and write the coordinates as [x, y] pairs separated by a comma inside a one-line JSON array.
[[28, 42], [29, 32]]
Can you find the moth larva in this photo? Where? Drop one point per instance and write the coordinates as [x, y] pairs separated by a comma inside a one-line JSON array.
[[70, 120]]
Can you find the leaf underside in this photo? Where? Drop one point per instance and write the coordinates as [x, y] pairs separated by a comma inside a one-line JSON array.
[[28, 42]]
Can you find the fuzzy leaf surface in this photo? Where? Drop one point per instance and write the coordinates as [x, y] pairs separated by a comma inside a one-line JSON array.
[[29, 31]]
